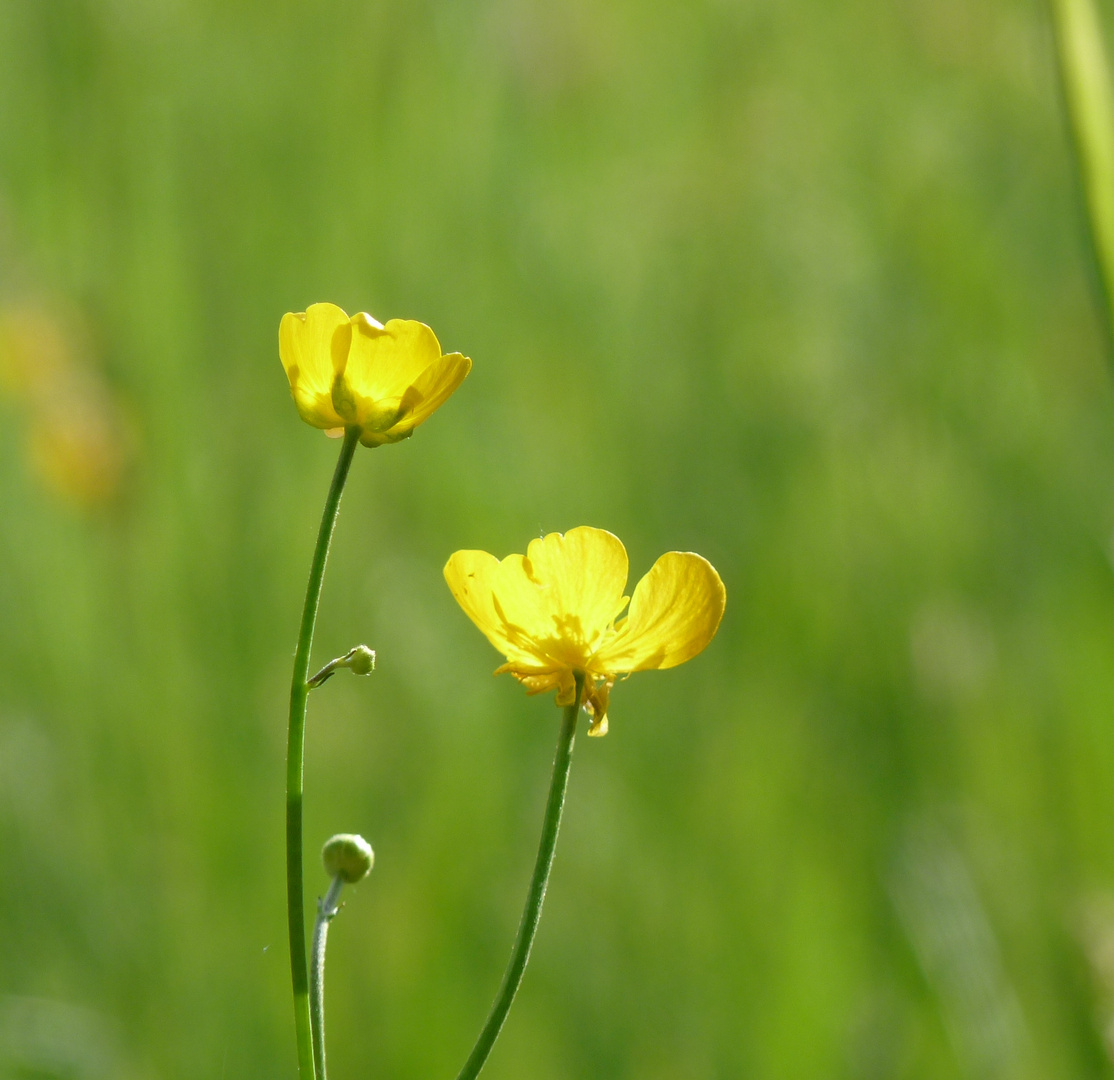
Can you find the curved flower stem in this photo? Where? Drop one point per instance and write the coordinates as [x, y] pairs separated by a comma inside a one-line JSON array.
[[533, 909], [295, 754], [326, 911]]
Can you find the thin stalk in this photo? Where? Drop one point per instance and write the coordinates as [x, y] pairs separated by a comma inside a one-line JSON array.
[[295, 756], [1088, 93], [326, 910], [532, 912]]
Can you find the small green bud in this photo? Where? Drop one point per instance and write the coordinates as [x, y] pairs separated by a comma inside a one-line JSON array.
[[348, 857], [361, 660]]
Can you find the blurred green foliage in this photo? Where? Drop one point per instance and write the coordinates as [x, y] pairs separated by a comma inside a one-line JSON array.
[[802, 286]]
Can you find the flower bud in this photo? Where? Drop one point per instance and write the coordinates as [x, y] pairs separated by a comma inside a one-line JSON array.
[[361, 660], [348, 857]]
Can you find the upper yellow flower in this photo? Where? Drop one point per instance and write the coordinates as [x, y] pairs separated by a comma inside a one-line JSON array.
[[354, 371], [554, 612]]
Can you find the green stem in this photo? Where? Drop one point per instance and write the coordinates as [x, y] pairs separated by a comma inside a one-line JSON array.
[[533, 909], [295, 756], [326, 911], [1088, 92]]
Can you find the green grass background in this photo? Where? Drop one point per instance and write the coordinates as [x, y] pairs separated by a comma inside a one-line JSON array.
[[800, 285]]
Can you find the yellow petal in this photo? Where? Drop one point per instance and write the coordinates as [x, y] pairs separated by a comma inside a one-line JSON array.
[[432, 389], [377, 419], [674, 612], [470, 576], [306, 342], [564, 593], [384, 361]]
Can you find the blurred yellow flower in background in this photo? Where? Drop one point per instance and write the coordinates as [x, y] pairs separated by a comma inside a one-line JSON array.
[[355, 371], [78, 440], [554, 612]]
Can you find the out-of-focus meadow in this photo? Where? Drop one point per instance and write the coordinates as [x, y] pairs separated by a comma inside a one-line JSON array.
[[802, 286]]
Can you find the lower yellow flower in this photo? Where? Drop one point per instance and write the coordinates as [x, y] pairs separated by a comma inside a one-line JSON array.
[[347, 372], [554, 612]]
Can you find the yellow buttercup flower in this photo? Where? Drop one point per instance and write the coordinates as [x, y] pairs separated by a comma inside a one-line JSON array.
[[355, 371], [554, 612]]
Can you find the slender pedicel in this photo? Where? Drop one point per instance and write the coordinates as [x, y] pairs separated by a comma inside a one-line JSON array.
[[295, 755], [348, 858], [326, 910], [532, 912]]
